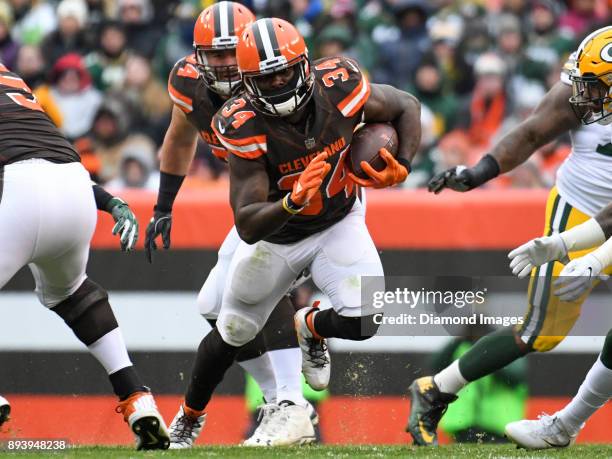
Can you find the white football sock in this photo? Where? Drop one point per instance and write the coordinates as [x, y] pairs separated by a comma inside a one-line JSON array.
[[450, 379], [593, 393], [260, 368], [111, 352], [287, 364]]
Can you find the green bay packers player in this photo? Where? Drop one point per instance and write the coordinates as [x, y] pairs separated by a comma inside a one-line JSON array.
[[198, 85], [579, 104], [575, 281], [294, 204]]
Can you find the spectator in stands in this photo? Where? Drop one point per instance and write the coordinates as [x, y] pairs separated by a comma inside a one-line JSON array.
[[70, 99], [142, 35], [112, 137], [453, 149], [429, 89], [546, 43], [474, 42], [178, 40], [31, 66], [334, 40], [8, 46], [147, 96], [423, 164], [485, 111], [400, 55], [579, 17], [107, 63], [69, 36], [137, 168], [445, 35], [34, 19]]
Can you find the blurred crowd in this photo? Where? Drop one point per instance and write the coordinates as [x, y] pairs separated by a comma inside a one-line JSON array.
[[479, 67]]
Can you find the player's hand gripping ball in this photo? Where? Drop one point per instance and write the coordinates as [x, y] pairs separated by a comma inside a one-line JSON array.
[[373, 155]]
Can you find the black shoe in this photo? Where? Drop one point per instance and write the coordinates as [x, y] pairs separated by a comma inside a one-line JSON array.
[[427, 408]]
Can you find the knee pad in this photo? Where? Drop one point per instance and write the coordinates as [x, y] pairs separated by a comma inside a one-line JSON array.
[[546, 343], [254, 278], [87, 312], [237, 330]]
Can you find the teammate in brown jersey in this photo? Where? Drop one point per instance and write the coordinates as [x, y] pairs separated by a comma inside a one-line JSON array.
[[294, 201], [47, 218], [198, 85]]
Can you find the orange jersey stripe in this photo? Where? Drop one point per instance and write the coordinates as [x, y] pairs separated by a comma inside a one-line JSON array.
[[356, 99], [183, 102], [249, 148]]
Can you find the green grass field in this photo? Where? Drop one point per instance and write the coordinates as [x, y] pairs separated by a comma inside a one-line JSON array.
[[316, 452]]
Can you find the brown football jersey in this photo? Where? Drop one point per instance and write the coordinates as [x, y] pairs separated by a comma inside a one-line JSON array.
[[26, 131], [189, 93], [340, 93]]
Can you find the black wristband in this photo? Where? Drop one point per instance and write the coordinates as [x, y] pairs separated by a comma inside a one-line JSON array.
[[486, 169], [404, 162], [169, 186], [102, 197]]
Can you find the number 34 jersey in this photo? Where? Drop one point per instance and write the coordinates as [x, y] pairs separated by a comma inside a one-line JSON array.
[[340, 93], [25, 129]]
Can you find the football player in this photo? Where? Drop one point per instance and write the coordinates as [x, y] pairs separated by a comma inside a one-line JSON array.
[[575, 280], [580, 104], [294, 203], [47, 218], [198, 85]]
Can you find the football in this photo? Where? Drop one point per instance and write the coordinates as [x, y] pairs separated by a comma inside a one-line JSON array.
[[367, 141]]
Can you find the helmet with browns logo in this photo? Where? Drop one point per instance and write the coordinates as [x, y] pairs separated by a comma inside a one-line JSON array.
[[592, 78], [270, 47], [218, 28]]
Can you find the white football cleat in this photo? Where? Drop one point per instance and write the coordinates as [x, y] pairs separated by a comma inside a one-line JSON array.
[[545, 432], [264, 416], [140, 412], [5, 410], [186, 427], [285, 424], [316, 361]]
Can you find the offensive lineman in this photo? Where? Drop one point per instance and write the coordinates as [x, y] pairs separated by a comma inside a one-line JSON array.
[[285, 134], [198, 85], [47, 218], [580, 104]]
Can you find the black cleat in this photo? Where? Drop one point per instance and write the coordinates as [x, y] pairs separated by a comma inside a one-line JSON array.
[[427, 408]]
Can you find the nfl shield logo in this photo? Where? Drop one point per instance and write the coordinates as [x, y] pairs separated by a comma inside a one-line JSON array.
[[310, 142]]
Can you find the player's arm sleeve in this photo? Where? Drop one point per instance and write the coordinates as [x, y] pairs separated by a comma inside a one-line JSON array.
[[182, 83], [101, 196], [238, 136]]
